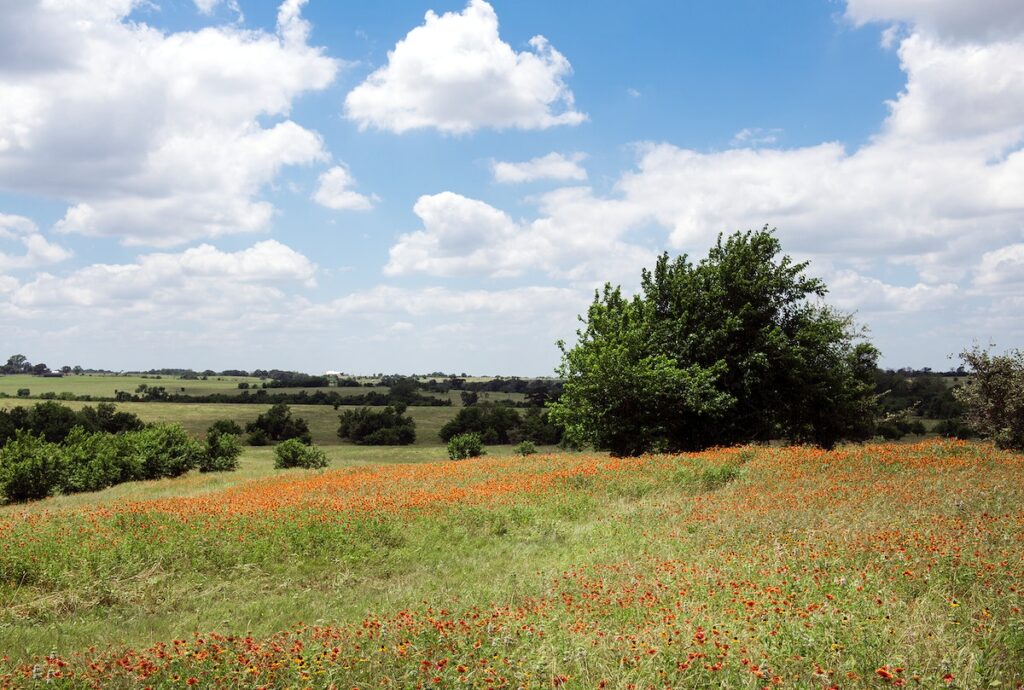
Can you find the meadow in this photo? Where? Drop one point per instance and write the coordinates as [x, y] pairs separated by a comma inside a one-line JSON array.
[[867, 566], [107, 385], [196, 418]]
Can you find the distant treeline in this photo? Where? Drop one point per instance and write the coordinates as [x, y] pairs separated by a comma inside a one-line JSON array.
[[260, 396]]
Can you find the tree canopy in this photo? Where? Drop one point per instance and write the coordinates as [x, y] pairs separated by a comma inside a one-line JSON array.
[[737, 348], [993, 396]]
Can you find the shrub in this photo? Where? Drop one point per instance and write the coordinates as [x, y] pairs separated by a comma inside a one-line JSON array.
[[51, 420], [23, 392], [387, 427], [294, 453], [165, 450], [278, 424], [94, 461], [222, 451], [226, 426], [493, 423], [105, 417], [464, 446], [993, 396], [953, 428], [258, 437], [539, 427], [30, 468], [525, 448]]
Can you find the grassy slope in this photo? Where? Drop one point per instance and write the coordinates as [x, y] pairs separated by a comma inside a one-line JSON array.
[[815, 569]]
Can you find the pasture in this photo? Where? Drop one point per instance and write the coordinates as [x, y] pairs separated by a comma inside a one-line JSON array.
[[867, 566], [323, 419], [107, 385]]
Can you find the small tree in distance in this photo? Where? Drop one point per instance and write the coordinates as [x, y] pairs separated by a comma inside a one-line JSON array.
[[735, 349], [993, 396], [464, 446]]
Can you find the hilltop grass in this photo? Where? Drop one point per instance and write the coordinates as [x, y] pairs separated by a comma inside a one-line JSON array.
[[866, 566]]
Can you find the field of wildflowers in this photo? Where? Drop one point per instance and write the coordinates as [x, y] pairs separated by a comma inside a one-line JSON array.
[[867, 566]]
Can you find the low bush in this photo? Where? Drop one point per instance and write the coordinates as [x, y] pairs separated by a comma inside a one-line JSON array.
[[492, 423], [165, 450], [54, 421], [222, 451], [30, 468], [94, 461], [294, 453], [525, 448], [226, 426], [368, 427], [465, 446], [278, 424]]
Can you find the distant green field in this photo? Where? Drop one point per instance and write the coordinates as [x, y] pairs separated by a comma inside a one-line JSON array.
[[323, 419], [107, 385]]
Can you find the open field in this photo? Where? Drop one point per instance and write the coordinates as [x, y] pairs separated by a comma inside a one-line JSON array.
[[107, 385], [323, 419], [741, 568]]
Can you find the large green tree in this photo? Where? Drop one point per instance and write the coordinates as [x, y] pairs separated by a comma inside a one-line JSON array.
[[737, 348]]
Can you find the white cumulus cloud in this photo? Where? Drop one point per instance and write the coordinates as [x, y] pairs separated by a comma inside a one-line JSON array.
[[553, 166], [333, 191], [202, 277], [455, 74], [37, 250], [153, 138]]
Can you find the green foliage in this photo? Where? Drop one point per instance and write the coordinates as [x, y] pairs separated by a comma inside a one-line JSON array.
[[734, 349], [462, 446], [24, 392], [368, 427], [226, 426], [51, 420], [993, 396], [97, 460], [222, 451], [954, 428], [165, 450], [105, 417], [54, 421], [30, 468], [895, 426], [16, 364], [278, 424], [525, 448], [294, 453], [537, 425], [258, 437], [493, 423]]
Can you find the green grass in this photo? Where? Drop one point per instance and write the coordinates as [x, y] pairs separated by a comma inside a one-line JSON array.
[[107, 385], [818, 569], [323, 419]]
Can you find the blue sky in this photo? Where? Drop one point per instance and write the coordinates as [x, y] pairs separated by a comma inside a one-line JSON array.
[[369, 187]]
